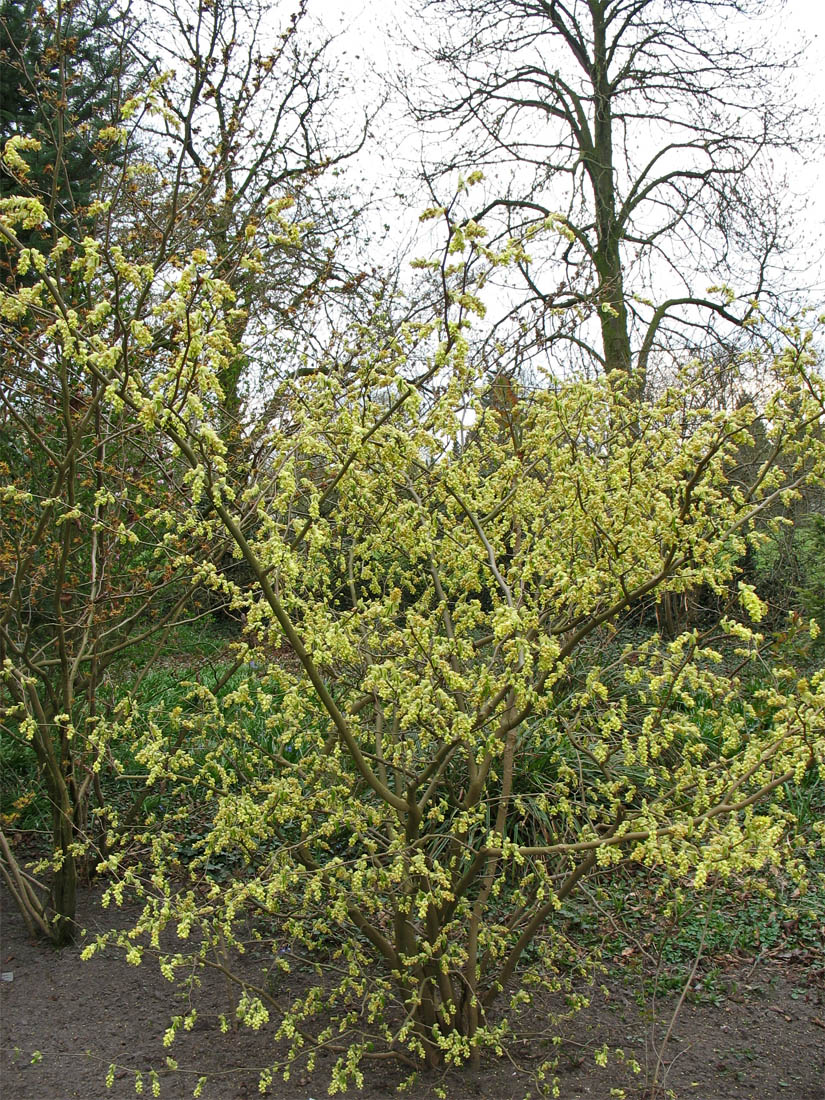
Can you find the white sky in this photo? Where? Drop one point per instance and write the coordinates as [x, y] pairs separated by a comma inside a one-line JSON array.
[[369, 52]]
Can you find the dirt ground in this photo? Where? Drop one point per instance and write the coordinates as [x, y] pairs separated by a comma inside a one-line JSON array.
[[65, 1021]]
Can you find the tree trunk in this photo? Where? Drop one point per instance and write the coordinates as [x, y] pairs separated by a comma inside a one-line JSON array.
[[599, 165]]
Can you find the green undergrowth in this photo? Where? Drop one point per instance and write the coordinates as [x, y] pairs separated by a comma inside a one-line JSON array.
[[649, 929], [195, 653]]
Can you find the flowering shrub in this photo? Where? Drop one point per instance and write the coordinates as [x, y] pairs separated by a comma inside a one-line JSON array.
[[457, 578]]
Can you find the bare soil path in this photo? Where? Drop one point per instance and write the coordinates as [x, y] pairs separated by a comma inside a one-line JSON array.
[[65, 1021]]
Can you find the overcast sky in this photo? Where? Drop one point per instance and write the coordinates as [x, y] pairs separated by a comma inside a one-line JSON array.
[[370, 50]]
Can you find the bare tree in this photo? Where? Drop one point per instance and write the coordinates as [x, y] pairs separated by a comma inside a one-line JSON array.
[[640, 131], [245, 126]]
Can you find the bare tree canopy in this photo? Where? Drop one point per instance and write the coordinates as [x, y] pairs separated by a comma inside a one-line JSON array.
[[643, 132]]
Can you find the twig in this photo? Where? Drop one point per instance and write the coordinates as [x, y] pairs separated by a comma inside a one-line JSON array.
[[661, 1052]]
